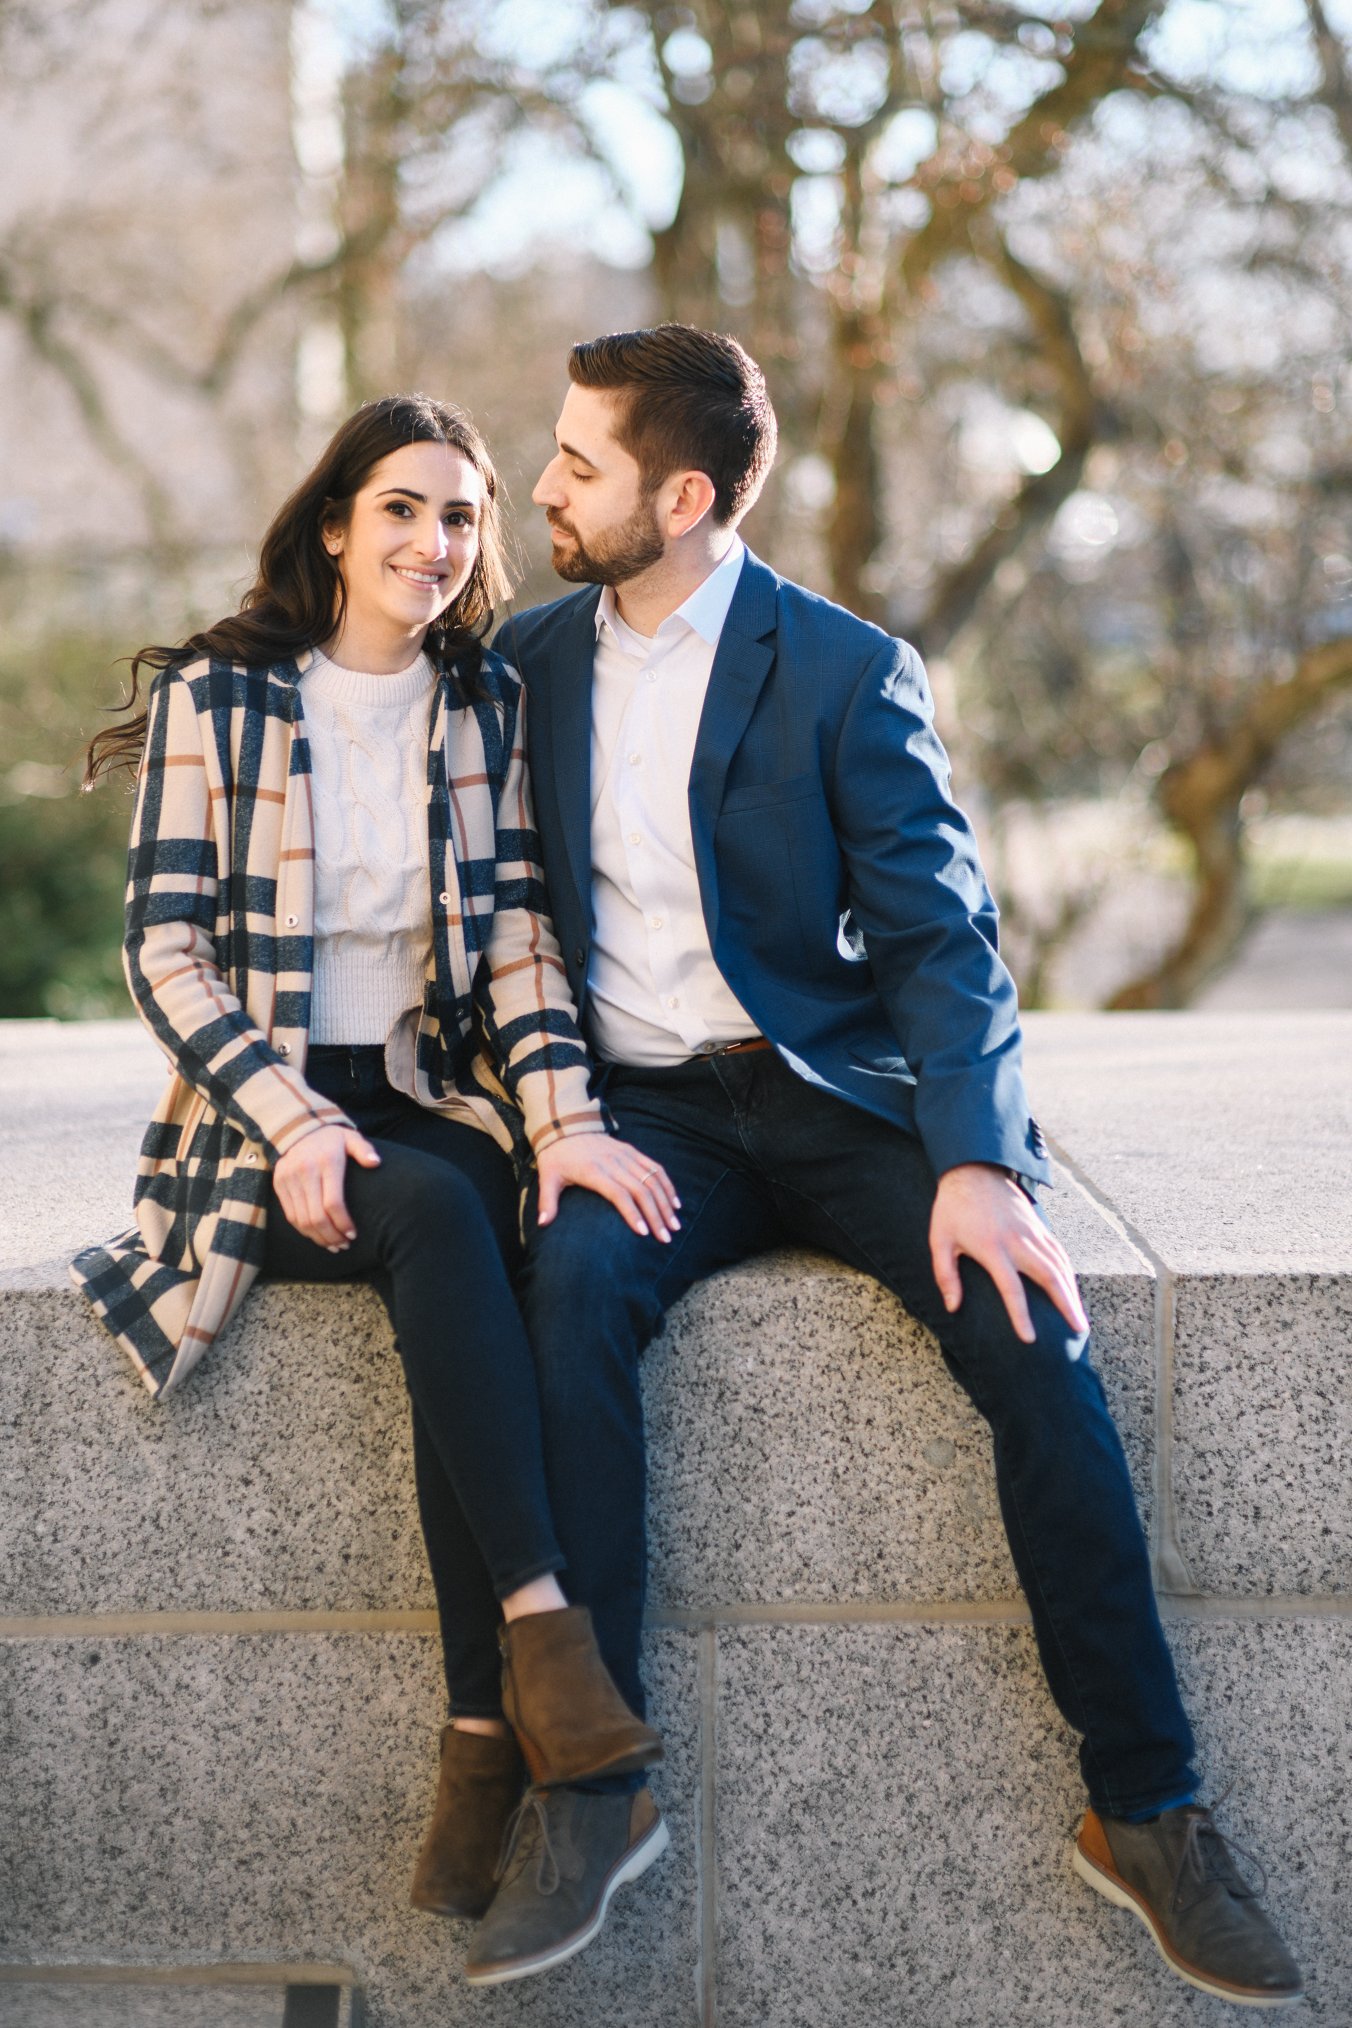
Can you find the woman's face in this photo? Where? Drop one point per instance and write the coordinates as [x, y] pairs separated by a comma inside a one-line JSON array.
[[410, 543]]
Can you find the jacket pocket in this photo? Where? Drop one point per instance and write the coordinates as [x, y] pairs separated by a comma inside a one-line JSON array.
[[760, 794]]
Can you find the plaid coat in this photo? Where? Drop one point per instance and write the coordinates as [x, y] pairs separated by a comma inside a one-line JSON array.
[[219, 953]]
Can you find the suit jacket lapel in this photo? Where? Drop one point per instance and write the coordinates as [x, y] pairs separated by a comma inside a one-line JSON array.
[[567, 713], [742, 661]]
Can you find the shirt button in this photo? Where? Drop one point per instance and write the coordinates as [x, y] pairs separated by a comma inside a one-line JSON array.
[[635, 838], [673, 1001], [655, 922], [291, 921], [651, 675], [635, 759]]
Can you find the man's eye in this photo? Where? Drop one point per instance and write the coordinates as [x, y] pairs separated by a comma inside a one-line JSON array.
[[582, 477]]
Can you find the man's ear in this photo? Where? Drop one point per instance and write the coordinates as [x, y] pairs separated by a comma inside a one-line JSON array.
[[693, 500]]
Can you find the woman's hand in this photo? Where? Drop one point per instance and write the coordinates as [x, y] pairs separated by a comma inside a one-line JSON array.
[[639, 1188], [308, 1184]]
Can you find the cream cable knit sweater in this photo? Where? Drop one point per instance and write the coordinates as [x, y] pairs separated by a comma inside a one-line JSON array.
[[373, 920]]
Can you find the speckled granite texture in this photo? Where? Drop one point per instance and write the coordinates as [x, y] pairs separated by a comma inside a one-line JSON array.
[[895, 1806], [193, 1799], [1263, 1431]]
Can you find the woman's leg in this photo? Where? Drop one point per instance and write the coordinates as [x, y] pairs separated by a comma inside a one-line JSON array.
[[425, 1237]]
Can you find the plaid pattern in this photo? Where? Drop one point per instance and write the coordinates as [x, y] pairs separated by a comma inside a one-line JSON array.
[[219, 952]]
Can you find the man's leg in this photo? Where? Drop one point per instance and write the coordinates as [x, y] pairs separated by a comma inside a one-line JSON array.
[[864, 1190], [593, 1294]]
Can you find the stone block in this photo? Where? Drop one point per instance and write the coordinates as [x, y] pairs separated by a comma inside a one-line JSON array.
[[896, 1804], [60, 2005], [183, 2003], [281, 1476], [198, 1799], [1263, 1432], [1221, 1138], [806, 1442]]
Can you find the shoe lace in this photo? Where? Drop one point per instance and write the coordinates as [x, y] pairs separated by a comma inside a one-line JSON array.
[[1207, 1856], [527, 1829]]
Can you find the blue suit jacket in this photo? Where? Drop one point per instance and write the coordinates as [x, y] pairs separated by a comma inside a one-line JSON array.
[[841, 887]]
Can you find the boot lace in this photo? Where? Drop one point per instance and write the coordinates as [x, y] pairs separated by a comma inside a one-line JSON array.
[[1207, 1856], [528, 1832]]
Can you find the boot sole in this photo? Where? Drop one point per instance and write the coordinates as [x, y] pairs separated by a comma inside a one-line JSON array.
[[1116, 1890], [636, 1861]]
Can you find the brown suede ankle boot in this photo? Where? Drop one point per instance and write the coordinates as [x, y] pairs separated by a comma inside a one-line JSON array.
[[561, 1701], [481, 1783]]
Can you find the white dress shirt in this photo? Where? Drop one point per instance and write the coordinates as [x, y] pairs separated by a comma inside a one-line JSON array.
[[655, 994]]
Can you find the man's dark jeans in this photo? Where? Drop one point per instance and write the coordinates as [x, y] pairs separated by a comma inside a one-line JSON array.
[[759, 1158]]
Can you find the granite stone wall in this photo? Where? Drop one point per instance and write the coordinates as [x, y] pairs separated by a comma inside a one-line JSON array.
[[219, 1684]]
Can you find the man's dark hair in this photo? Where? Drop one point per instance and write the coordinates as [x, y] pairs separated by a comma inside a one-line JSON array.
[[691, 401]]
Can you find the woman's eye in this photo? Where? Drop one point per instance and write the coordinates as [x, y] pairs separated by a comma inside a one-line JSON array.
[[457, 518], [399, 507]]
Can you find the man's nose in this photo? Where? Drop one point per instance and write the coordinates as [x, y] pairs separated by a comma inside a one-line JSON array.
[[547, 492]]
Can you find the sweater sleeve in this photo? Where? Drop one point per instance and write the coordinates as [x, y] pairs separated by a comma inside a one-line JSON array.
[[169, 952], [529, 1018]]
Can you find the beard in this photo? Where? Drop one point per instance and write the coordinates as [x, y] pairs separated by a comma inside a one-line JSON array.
[[614, 556]]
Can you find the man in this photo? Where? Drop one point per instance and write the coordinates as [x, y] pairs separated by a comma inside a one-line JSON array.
[[784, 953]]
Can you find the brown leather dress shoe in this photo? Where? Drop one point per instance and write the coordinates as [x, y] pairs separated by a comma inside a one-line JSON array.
[[561, 1701], [480, 1786]]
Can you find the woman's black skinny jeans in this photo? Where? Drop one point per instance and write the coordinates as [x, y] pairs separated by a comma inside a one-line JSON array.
[[437, 1236]]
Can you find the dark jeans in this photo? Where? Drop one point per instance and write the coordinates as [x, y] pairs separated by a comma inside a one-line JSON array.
[[759, 1157], [437, 1235]]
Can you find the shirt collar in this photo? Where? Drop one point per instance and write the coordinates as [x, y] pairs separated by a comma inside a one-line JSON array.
[[704, 612]]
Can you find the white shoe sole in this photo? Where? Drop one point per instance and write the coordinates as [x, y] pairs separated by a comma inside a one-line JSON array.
[[636, 1861], [1121, 1896]]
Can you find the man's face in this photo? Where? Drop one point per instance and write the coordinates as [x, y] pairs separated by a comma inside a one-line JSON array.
[[605, 529]]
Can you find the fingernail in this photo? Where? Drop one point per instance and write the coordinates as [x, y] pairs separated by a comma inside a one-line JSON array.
[[335, 1249]]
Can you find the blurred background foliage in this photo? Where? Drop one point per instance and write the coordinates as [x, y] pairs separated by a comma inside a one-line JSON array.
[[1053, 304]]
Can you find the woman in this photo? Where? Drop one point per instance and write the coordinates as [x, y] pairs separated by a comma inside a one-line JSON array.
[[336, 932]]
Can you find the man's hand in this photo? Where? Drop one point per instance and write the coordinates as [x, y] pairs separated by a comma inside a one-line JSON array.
[[982, 1212], [308, 1184], [639, 1188]]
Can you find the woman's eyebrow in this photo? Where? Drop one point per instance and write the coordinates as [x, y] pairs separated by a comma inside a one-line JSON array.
[[407, 493]]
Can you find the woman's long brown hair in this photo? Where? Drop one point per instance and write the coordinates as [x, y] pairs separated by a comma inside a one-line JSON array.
[[298, 597]]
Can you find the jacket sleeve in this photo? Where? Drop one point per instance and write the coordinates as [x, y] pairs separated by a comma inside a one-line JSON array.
[[920, 900], [529, 1020], [169, 951]]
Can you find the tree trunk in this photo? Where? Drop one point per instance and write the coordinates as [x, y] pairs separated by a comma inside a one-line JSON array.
[[1200, 796]]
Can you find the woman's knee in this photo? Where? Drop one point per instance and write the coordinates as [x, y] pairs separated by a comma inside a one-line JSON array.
[[424, 1202]]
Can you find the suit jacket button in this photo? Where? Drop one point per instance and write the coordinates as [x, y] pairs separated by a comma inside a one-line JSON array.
[[579, 956]]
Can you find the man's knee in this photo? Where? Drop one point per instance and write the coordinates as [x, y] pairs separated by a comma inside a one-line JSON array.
[[983, 1327], [588, 1294]]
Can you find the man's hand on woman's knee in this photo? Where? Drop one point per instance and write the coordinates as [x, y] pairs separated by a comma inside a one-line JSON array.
[[308, 1184], [982, 1212]]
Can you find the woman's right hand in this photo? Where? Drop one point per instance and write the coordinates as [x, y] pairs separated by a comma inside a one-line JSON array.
[[308, 1184]]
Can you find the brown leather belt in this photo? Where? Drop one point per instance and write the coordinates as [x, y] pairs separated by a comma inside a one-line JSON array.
[[735, 1048]]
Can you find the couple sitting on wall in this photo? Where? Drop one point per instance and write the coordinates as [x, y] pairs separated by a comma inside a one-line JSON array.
[[535, 1050]]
